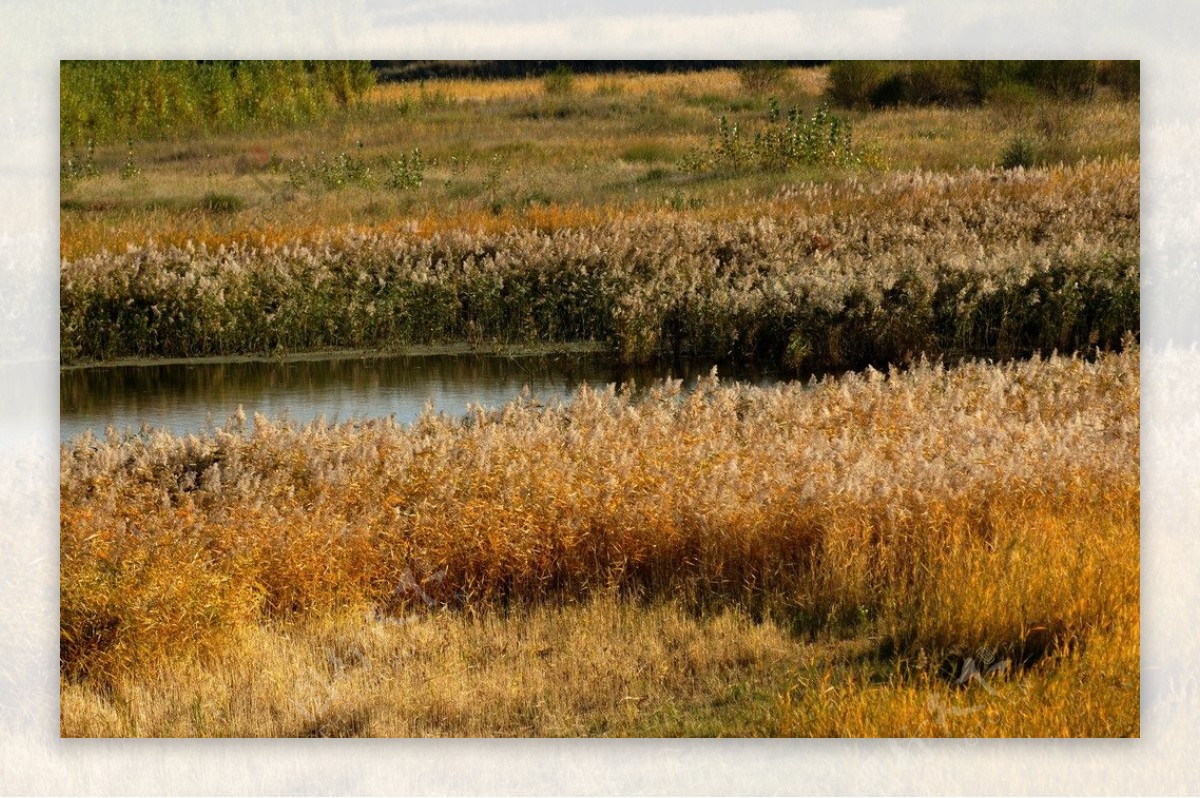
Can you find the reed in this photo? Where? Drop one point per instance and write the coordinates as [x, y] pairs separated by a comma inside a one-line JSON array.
[[940, 508], [828, 276]]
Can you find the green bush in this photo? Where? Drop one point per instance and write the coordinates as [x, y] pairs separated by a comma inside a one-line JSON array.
[[560, 81], [1020, 152], [986, 79], [764, 77], [859, 84], [822, 139], [213, 202], [923, 83], [938, 83]]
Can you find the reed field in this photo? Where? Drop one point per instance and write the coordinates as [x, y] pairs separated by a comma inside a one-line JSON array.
[[932, 529]]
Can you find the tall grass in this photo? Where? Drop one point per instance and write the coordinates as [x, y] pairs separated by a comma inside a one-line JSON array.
[[943, 509], [980, 262], [112, 101]]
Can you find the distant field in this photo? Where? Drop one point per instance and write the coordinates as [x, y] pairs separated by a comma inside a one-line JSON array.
[[498, 153]]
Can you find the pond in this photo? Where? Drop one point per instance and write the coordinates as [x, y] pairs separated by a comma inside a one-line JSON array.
[[187, 397]]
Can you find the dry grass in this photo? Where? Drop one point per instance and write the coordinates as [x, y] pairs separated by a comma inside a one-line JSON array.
[[716, 82], [939, 512], [603, 667]]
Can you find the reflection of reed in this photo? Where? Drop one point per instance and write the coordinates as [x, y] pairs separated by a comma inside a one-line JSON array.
[[338, 385]]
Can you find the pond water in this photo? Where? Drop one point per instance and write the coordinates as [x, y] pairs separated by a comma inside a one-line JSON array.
[[193, 397]]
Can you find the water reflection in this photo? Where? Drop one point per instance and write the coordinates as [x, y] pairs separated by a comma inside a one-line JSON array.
[[193, 397]]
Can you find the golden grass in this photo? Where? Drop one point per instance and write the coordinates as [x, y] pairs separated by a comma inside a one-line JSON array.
[[600, 668], [717, 82], [940, 512]]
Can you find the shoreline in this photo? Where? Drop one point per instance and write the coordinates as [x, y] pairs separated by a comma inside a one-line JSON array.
[[416, 350]]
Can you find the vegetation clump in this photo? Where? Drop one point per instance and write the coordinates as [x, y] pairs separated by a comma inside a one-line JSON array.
[[786, 142], [877, 84], [106, 101]]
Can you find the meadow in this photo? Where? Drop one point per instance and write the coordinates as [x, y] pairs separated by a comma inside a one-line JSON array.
[[937, 535]]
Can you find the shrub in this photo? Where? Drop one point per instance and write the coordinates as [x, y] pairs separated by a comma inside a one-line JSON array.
[[213, 202], [405, 171], [984, 79], [764, 77], [1125, 77], [923, 83], [851, 83], [560, 81], [858, 84], [1020, 152], [822, 139], [1071, 80]]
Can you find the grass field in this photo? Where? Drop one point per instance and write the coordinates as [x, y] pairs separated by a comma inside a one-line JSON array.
[[943, 545]]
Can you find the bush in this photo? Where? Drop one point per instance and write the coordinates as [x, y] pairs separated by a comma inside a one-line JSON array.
[[858, 84], [985, 79], [1069, 80], [764, 77], [822, 139], [1020, 152], [851, 83], [221, 203], [923, 83], [560, 81], [1123, 76]]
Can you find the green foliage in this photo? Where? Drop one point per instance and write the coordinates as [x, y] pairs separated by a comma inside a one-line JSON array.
[[107, 101], [1020, 152], [785, 142], [214, 202], [923, 83], [985, 78], [76, 167], [1070, 80], [328, 173], [851, 83], [130, 169], [560, 81], [405, 172]]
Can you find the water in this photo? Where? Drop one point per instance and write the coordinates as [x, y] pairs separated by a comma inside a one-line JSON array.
[[194, 397]]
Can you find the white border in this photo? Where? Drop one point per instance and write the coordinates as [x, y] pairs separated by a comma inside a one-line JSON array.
[[34, 36]]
